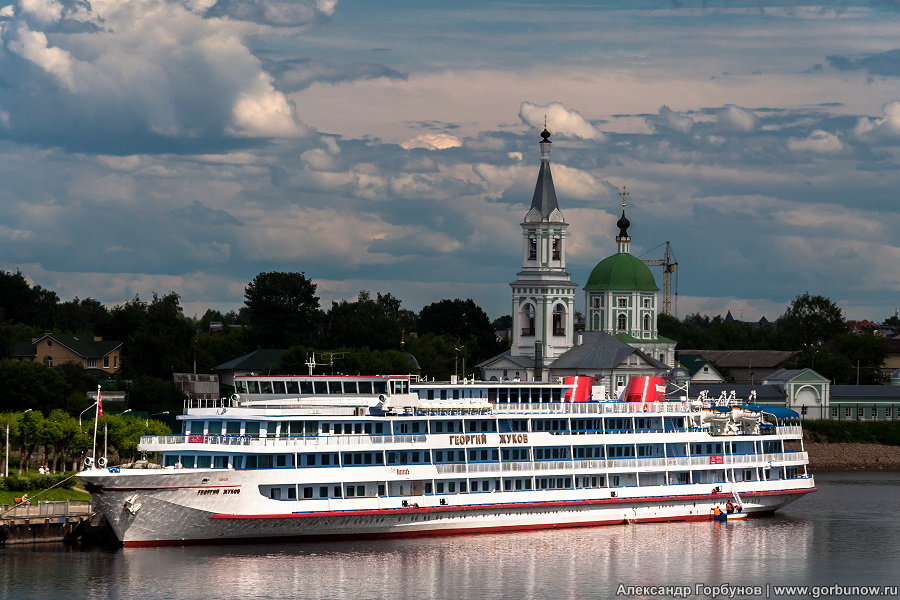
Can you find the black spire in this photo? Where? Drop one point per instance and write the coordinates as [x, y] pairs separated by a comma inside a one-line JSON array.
[[544, 200], [623, 224]]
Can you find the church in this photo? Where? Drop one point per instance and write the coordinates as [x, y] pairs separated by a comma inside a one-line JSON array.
[[620, 339]]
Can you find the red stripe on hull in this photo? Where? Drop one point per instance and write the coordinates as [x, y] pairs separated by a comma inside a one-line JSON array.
[[514, 505]]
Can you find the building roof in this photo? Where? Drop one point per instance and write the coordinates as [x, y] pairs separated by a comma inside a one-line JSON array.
[[599, 350], [630, 339], [544, 206], [743, 358], [621, 272], [256, 360], [526, 362], [82, 345]]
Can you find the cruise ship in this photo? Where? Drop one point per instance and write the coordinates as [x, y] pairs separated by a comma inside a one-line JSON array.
[[325, 457]]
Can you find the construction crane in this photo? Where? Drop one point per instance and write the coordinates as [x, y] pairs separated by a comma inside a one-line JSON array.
[[670, 266]]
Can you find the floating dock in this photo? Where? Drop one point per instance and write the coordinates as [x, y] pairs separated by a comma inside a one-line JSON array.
[[40, 522]]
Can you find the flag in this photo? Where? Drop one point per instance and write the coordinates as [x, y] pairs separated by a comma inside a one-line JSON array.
[[99, 403]]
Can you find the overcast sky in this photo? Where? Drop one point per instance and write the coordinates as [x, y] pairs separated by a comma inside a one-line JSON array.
[[187, 145]]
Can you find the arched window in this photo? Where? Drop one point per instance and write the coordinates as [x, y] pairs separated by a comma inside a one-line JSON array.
[[528, 319], [646, 322], [557, 248], [559, 320], [622, 323], [532, 248]]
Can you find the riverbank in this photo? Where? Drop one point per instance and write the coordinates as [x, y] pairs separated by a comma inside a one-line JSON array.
[[852, 457]]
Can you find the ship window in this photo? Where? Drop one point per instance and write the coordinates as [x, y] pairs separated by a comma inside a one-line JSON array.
[[380, 387], [323, 491], [365, 387], [280, 460], [306, 387], [278, 387], [233, 427], [334, 387], [251, 428], [265, 462], [292, 493], [350, 387], [339, 428], [252, 386], [214, 427], [220, 462], [275, 493], [196, 427], [451, 487], [292, 387], [337, 491], [251, 461], [240, 387], [170, 460], [440, 487], [265, 387], [204, 462], [381, 489], [320, 387], [357, 428], [187, 461]]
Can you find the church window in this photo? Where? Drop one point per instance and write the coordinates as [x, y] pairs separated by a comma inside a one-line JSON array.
[[622, 323], [648, 303], [646, 322], [623, 302], [557, 248], [532, 248], [559, 320], [596, 301], [528, 319]]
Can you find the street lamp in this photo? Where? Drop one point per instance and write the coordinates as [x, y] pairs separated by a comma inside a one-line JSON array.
[[84, 411], [165, 412], [127, 410], [6, 461]]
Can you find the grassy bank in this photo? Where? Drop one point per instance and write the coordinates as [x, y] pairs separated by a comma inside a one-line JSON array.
[[54, 495], [886, 433]]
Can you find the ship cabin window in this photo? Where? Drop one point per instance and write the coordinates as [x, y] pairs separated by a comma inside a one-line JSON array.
[[551, 453], [335, 387], [582, 426], [773, 447], [220, 462], [233, 427], [618, 424], [399, 386], [252, 386], [379, 387], [590, 481], [407, 457], [359, 459], [554, 483], [214, 427], [251, 428], [440, 456], [620, 451], [196, 428], [446, 426], [365, 387], [480, 426], [650, 450], [588, 452], [410, 427], [278, 387], [514, 454], [187, 461], [170, 460], [645, 424], [265, 387], [551, 425], [680, 449], [291, 387], [483, 455], [706, 449], [306, 388], [320, 387], [275, 493], [350, 387], [204, 462]]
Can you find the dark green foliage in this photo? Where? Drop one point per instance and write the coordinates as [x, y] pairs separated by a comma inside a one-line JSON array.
[[283, 310], [155, 395], [700, 332], [36, 481], [377, 323], [810, 321], [503, 323], [466, 323], [31, 385], [833, 432], [214, 348], [438, 356]]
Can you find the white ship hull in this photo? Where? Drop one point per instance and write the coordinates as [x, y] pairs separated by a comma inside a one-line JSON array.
[[178, 513]]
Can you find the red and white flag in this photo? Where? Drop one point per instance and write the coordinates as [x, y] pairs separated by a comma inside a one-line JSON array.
[[99, 403]]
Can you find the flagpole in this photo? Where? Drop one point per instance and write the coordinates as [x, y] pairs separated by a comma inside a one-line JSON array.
[[96, 422]]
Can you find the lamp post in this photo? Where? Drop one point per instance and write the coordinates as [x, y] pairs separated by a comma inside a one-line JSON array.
[[6, 460], [165, 412], [84, 411]]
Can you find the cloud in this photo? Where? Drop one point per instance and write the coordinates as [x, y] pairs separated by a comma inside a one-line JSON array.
[[736, 119], [818, 141], [886, 64], [432, 141], [157, 76], [560, 120], [296, 74], [884, 128], [278, 13]]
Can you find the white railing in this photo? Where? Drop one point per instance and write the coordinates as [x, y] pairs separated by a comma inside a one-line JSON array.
[[789, 430], [591, 408], [748, 460], [292, 442], [43, 509]]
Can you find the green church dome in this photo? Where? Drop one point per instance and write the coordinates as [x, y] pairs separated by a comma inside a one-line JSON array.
[[621, 272]]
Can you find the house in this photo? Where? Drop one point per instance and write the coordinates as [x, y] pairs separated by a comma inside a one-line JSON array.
[[258, 361], [737, 366], [91, 353]]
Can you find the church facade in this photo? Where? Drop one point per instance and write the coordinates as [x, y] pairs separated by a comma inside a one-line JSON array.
[[620, 339]]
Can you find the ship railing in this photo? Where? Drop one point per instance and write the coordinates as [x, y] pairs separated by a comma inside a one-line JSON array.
[[748, 460], [590, 408], [789, 430], [287, 442]]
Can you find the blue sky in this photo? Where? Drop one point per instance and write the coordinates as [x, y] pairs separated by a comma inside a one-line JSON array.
[[187, 145]]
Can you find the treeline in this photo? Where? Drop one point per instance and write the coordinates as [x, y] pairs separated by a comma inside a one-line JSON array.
[[371, 334], [812, 325]]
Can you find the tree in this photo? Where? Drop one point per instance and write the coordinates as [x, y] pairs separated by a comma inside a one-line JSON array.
[[283, 310], [81, 316], [155, 395], [810, 321], [436, 355], [31, 385], [377, 323], [463, 321]]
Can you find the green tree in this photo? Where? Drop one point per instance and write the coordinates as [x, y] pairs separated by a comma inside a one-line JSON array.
[[31, 385], [466, 323], [155, 395], [810, 321], [437, 355], [81, 316], [283, 310], [377, 323]]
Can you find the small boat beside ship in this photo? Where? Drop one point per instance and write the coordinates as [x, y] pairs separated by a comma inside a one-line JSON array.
[[324, 457]]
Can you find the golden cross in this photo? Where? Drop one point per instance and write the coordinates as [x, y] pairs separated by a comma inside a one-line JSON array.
[[624, 195]]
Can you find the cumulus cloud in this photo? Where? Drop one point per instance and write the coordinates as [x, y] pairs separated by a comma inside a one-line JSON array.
[[736, 119], [432, 141], [156, 74], [886, 127], [560, 120], [886, 64], [818, 141]]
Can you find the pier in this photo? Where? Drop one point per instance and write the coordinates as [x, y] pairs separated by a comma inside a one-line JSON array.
[[44, 522]]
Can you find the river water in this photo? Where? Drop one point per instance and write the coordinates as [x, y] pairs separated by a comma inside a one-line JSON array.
[[846, 534]]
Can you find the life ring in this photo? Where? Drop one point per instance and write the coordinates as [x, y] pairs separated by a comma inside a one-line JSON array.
[[101, 462]]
